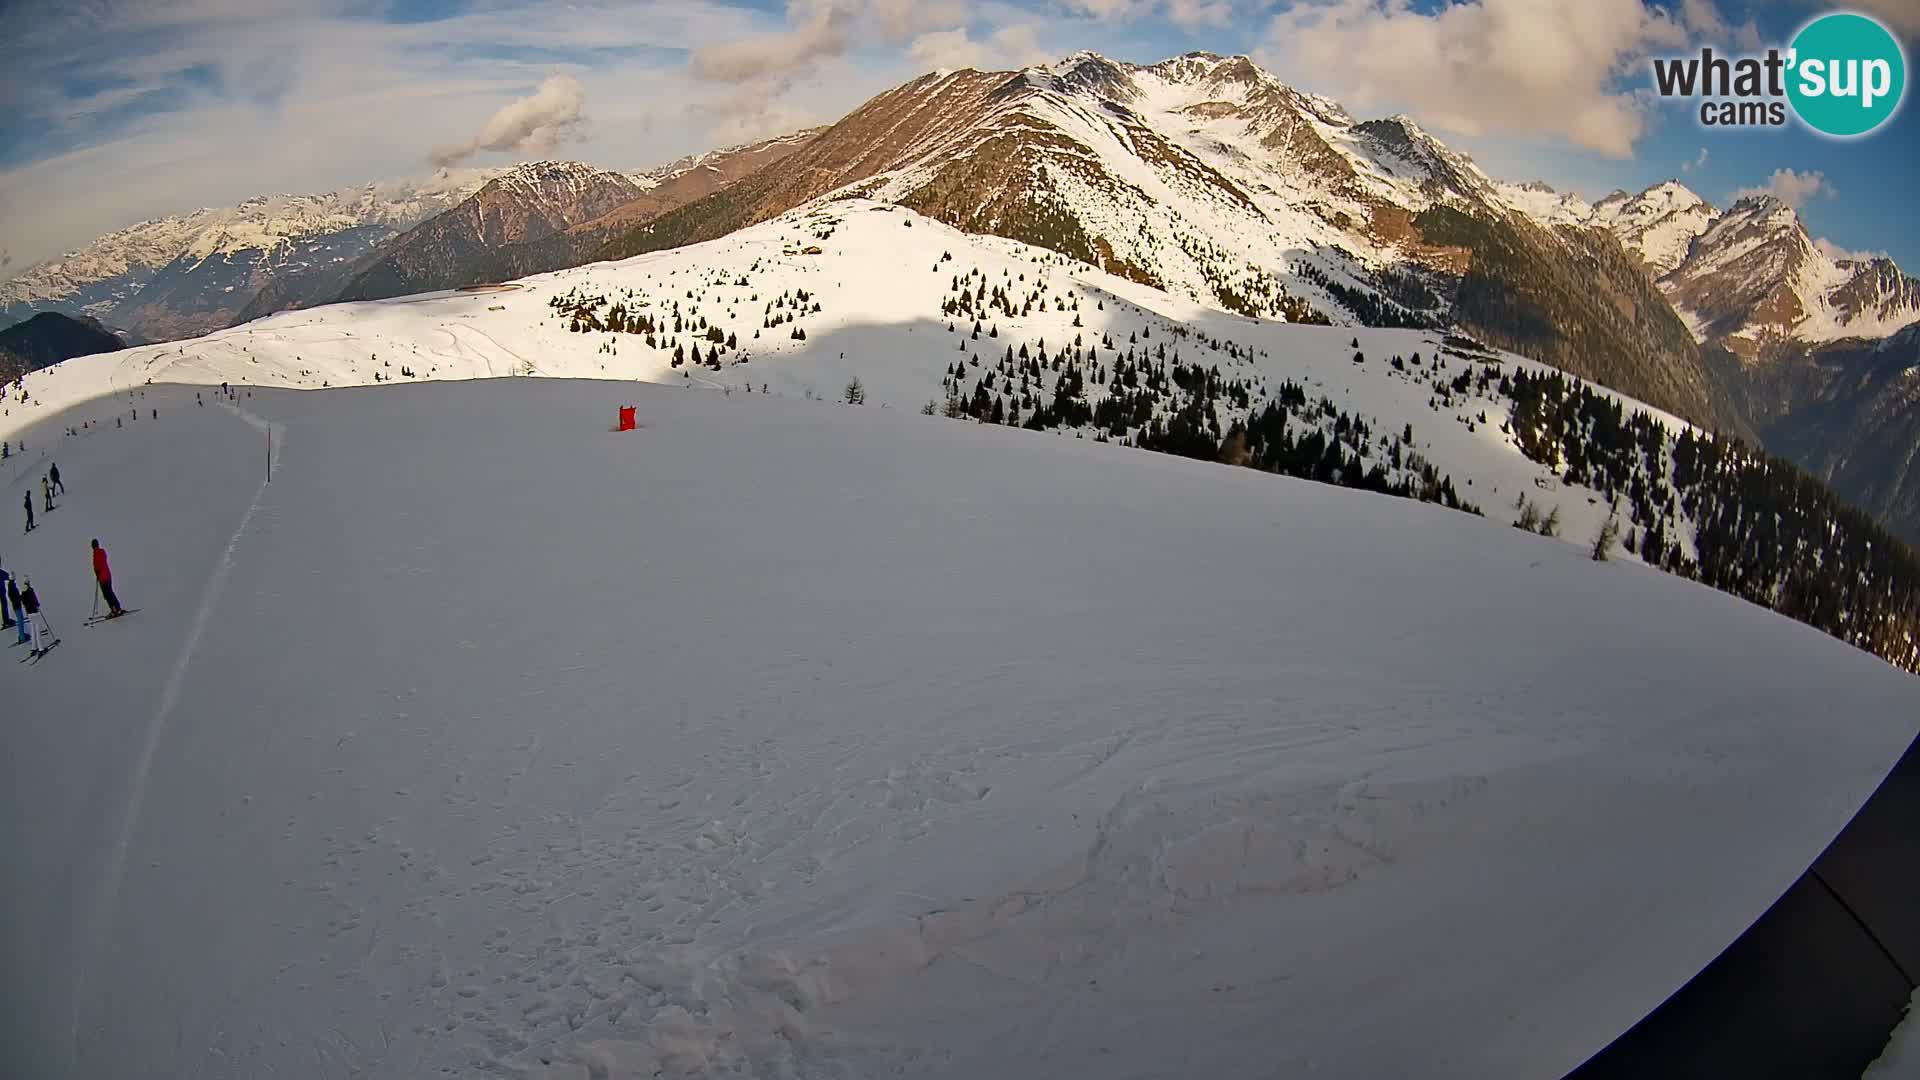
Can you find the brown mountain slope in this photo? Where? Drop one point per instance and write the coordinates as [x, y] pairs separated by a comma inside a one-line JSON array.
[[526, 205], [1205, 176], [691, 179], [901, 127]]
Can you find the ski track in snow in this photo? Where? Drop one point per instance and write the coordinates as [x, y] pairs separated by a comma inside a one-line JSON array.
[[109, 894], [881, 286], [790, 739]]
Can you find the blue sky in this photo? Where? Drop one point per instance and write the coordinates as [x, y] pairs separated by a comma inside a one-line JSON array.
[[116, 110]]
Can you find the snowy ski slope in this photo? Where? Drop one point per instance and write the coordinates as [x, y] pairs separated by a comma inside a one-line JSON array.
[[881, 277], [788, 738]]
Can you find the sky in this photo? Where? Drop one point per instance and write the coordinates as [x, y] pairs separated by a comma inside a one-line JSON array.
[[112, 111]]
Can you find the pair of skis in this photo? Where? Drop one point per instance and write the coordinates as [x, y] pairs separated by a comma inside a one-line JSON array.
[[34, 656], [95, 620]]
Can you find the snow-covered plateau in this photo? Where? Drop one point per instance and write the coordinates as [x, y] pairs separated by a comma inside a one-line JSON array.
[[1901, 1059], [850, 288], [787, 737]]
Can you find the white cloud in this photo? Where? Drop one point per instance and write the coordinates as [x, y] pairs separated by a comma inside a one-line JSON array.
[[1478, 67], [536, 124], [759, 74], [1020, 46], [1707, 25], [948, 49], [1010, 47], [1187, 13], [819, 30], [1698, 164], [1790, 187], [822, 34], [1107, 9], [1200, 13], [749, 121], [902, 19], [1839, 254], [353, 99]]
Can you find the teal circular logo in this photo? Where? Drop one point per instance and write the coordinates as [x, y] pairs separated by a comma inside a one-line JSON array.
[[1847, 74]]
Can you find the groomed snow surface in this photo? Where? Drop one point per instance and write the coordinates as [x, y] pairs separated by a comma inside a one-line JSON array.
[[784, 738], [880, 276], [1901, 1059]]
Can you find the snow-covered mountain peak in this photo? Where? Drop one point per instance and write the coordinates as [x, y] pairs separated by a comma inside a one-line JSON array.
[[1441, 172], [1670, 195], [107, 278], [1415, 131], [1089, 72], [1756, 274], [1210, 68], [1659, 224], [1769, 209], [545, 179], [651, 178], [1541, 202], [1751, 223]]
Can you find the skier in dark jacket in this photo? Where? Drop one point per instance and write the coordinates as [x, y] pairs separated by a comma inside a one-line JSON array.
[[103, 574], [36, 621], [19, 607], [28, 503], [53, 474], [6, 606]]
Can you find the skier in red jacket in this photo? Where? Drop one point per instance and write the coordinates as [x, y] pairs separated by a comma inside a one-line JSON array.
[[103, 574]]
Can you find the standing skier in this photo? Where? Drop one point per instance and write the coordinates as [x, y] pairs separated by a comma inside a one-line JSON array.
[[27, 501], [103, 574], [19, 608], [42, 634], [6, 609], [53, 473], [46, 494]]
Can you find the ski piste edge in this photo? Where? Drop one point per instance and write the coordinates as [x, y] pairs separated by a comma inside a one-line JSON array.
[[95, 620]]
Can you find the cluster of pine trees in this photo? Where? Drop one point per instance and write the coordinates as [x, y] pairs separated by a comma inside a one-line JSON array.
[[1376, 309], [1334, 447], [684, 332], [1143, 394], [1251, 290], [1760, 527]]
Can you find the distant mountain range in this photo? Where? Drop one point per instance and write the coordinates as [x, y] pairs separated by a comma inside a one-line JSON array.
[[525, 205], [1202, 175], [185, 275], [1745, 277], [1817, 353]]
